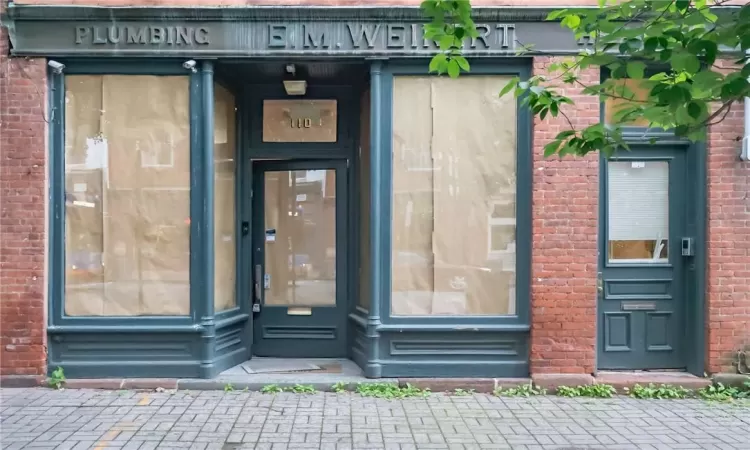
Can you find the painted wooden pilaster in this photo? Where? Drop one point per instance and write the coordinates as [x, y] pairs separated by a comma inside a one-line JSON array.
[[205, 305], [378, 253]]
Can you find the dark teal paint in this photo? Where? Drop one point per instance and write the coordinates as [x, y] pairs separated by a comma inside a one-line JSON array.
[[695, 313], [328, 320], [378, 225], [205, 308], [57, 188], [196, 188], [233, 326], [342, 148], [661, 284], [694, 278], [523, 196], [149, 346], [56, 286], [206, 342], [429, 336], [697, 217], [342, 152]]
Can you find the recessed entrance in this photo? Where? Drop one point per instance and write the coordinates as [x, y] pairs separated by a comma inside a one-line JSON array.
[[297, 151]]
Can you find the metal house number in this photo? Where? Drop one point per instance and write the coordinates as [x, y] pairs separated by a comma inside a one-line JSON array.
[[304, 123]]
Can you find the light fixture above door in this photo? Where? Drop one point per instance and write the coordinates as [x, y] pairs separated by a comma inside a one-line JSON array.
[[292, 84]]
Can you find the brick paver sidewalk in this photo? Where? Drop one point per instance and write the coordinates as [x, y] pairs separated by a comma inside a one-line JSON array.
[[44, 418]]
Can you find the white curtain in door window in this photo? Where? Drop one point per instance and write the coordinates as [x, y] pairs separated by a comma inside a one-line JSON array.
[[638, 200]]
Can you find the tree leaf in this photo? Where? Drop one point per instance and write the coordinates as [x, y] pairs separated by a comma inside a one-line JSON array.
[[705, 48], [437, 64], [650, 44], [565, 134], [687, 62], [733, 88], [509, 86], [551, 148], [557, 14], [684, 35], [453, 69], [636, 69], [705, 79], [554, 109], [462, 63], [696, 110], [571, 21]]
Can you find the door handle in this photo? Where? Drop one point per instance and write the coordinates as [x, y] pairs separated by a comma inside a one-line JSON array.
[[599, 284], [258, 275], [258, 291]]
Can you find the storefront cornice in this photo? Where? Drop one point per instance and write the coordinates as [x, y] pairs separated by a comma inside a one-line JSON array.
[[263, 31]]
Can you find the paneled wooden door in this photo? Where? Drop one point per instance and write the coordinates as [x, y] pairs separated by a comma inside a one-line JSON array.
[[643, 254]]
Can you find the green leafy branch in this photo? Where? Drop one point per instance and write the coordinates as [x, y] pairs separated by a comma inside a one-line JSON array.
[[450, 24], [660, 57]]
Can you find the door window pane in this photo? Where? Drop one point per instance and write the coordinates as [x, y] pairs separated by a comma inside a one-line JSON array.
[[300, 235], [224, 216], [127, 195], [638, 211], [454, 197]]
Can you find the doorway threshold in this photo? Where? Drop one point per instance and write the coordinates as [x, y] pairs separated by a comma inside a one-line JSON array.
[[256, 373]]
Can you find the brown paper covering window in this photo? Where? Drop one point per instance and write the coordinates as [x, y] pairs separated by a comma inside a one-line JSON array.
[[127, 195], [364, 198], [224, 180], [454, 197]]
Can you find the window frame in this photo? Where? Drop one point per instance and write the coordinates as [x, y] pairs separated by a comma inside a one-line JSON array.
[[520, 321], [57, 320]]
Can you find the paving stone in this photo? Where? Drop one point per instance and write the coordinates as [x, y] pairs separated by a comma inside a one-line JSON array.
[[34, 418]]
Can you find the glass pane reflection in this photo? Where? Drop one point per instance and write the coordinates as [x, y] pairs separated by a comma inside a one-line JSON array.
[[300, 235]]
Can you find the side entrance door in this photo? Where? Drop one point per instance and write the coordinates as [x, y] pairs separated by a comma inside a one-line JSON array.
[[643, 254], [299, 258]]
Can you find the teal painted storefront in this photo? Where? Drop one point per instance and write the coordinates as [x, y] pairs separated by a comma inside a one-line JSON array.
[[206, 342], [363, 326]]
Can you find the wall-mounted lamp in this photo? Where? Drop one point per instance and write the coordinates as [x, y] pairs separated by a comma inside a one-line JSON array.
[[293, 85]]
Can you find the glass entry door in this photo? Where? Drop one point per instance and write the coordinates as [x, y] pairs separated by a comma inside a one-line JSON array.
[[299, 259]]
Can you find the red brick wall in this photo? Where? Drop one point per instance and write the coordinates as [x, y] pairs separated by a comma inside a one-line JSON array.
[[22, 213], [728, 299], [564, 264]]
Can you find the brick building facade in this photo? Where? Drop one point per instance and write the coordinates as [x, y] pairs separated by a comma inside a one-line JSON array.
[[564, 325]]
